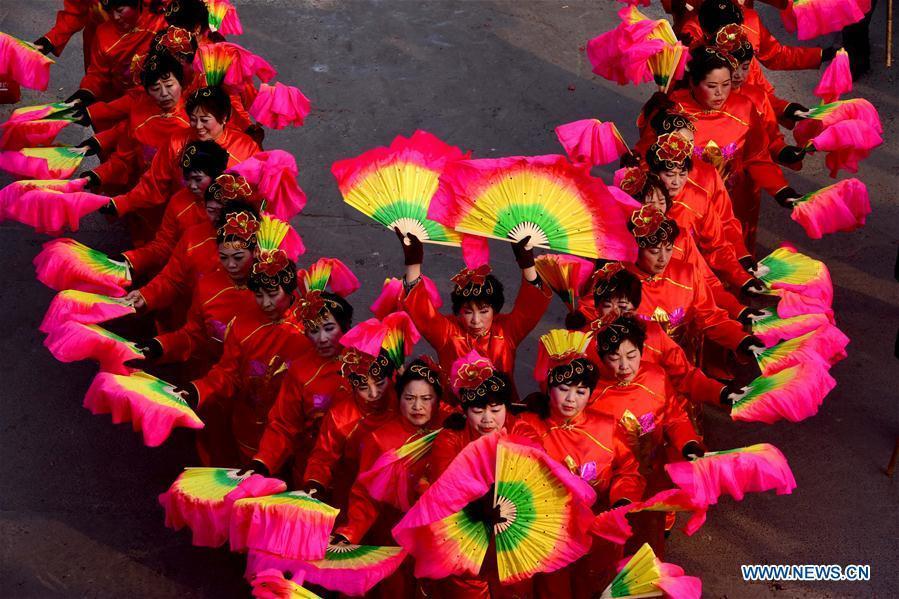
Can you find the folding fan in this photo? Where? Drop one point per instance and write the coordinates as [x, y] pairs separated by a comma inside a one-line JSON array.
[[793, 394], [395, 185], [843, 206], [773, 329], [223, 17], [392, 294], [348, 569], [565, 275], [274, 584], [67, 264], [826, 344], [644, 575], [559, 206], [329, 273], [12, 193], [58, 162], [274, 175], [818, 118], [387, 481], [813, 18], [836, 79], [846, 143], [785, 268], [150, 404], [395, 334], [591, 142], [279, 106], [52, 211], [72, 305], [22, 62], [74, 341]]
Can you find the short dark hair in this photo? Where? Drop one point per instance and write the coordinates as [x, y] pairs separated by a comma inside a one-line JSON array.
[[415, 372], [625, 328], [622, 283], [110, 5], [715, 14], [286, 279], [159, 65], [744, 52], [495, 298], [188, 14], [204, 156], [339, 308], [579, 371], [213, 100], [704, 60], [502, 396]]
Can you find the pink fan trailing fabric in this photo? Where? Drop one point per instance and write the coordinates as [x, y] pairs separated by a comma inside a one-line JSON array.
[[613, 525], [836, 79], [86, 308], [789, 328], [676, 585], [621, 55], [813, 18], [66, 264], [825, 345], [389, 300], [793, 394], [847, 143], [246, 66], [843, 206], [21, 163], [30, 134], [13, 192], [274, 175], [591, 142], [53, 212], [279, 106], [475, 251], [74, 341], [23, 63], [373, 334], [734, 472], [273, 584], [824, 116], [148, 414], [795, 304]]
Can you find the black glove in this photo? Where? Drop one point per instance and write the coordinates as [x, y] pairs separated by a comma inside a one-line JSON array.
[[747, 344], [44, 45], [337, 539], [414, 251], [791, 110], [93, 181], [314, 489], [827, 54], [151, 349], [484, 510], [109, 209], [753, 287], [190, 394], [92, 145], [256, 133], [82, 96], [692, 448], [629, 159], [524, 256], [791, 155], [749, 263], [787, 193], [254, 466], [80, 115], [620, 503], [575, 321]]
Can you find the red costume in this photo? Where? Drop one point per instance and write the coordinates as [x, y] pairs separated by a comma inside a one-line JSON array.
[[311, 385], [257, 353], [75, 16]]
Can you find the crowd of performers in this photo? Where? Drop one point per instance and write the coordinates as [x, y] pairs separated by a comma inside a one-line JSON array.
[[290, 383]]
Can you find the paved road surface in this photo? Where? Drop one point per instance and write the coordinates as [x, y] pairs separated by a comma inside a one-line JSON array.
[[78, 511]]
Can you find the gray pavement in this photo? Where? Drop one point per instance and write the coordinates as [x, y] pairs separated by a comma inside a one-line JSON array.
[[78, 510]]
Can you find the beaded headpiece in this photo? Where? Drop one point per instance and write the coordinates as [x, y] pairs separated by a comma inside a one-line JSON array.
[[650, 227], [670, 152], [239, 231]]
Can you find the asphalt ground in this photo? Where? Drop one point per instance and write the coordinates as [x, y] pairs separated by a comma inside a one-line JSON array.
[[78, 509]]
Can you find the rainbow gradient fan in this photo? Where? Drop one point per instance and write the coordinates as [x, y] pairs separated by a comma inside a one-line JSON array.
[[329, 272], [275, 233], [12, 193], [826, 344], [67, 264], [785, 268], [291, 524], [348, 569], [667, 65], [395, 185], [843, 206], [274, 584], [23, 63], [58, 162], [773, 329], [812, 18], [565, 275], [387, 481], [72, 305], [74, 341], [213, 61], [558, 205], [223, 17], [52, 211], [644, 575], [40, 112], [150, 404], [274, 175], [395, 334], [794, 393], [752, 469]]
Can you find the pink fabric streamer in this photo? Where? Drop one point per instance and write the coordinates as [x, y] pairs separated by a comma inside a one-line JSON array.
[[274, 175], [246, 66], [613, 525], [840, 207], [64, 309], [58, 269], [621, 55], [280, 106], [842, 110], [836, 79], [74, 341], [819, 17], [475, 251], [847, 143], [231, 24], [591, 142], [368, 336], [797, 400], [826, 345], [23, 63], [795, 304], [54, 212], [750, 470], [390, 298], [676, 585], [272, 584], [18, 164], [30, 134], [11, 194], [154, 421], [788, 330], [279, 529]]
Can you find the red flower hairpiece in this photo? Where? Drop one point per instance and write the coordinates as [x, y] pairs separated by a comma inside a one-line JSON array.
[[646, 221], [229, 186], [177, 41], [467, 276], [673, 148], [270, 263], [310, 305], [242, 225], [633, 181], [730, 37], [355, 363], [470, 375], [604, 322]]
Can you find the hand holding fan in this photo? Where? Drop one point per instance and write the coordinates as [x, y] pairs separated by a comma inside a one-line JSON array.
[[613, 525], [558, 205], [847, 143], [74, 341], [223, 17], [565, 275], [22, 62], [198, 499], [785, 268], [273, 584], [58, 162], [794, 394], [395, 185], [387, 481], [347, 569], [150, 404], [72, 305], [67, 264], [644, 575], [823, 116], [752, 469], [843, 206]]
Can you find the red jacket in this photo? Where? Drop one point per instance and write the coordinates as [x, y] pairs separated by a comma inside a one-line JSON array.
[[311, 385], [195, 254], [760, 97], [680, 299], [499, 345], [106, 115], [75, 16], [109, 72], [257, 353], [685, 250], [216, 302], [165, 177], [708, 177], [135, 141], [593, 447]]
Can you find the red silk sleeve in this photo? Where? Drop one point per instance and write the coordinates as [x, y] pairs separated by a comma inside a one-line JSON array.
[[151, 257], [778, 57], [105, 115], [70, 20], [158, 183], [722, 206], [433, 326], [362, 510], [530, 305], [171, 282], [684, 376], [678, 427], [223, 380], [327, 451], [286, 423], [446, 447], [757, 158], [626, 483], [179, 345], [714, 322]]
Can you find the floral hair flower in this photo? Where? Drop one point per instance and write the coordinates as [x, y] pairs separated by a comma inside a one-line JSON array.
[[241, 225], [229, 186], [468, 276]]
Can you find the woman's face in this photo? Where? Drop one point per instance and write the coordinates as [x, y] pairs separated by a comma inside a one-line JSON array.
[[125, 17], [236, 261], [165, 92], [567, 401], [674, 181], [325, 335], [655, 259], [656, 199], [417, 402], [624, 363], [213, 210], [371, 391], [197, 182], [205, 124], [476, 318], [622, 304], [274, 302], [740, 75], [483, 421], [713, 91]]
